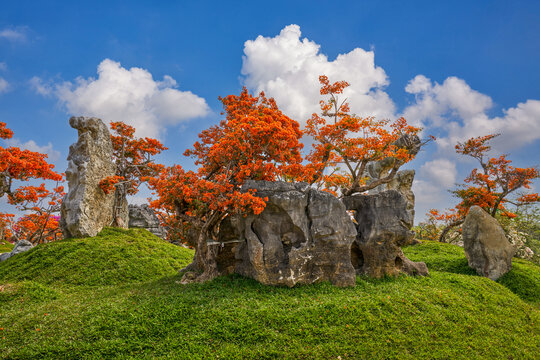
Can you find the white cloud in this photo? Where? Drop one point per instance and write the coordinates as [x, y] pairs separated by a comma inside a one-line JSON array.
[[461, 112], [31, 145], [14, 34], [3, 66], [287, 68], [128, 95], [440, 171], [427, 194], [4, 86], [40, 87]]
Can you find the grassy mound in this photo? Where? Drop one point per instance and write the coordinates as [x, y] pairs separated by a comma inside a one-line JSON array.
[[113, 257], [5, 246], [523, 279], [451, 314]]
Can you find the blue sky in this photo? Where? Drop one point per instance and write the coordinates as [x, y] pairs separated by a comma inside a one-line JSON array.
[[458, 68]]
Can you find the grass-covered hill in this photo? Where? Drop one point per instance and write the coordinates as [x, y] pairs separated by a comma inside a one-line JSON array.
[[118, 296]]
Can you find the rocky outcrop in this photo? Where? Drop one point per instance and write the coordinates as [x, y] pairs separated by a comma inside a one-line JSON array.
[[303, 236], [486, 247], [383, 225], [142, 217], [20, 246], [402, 182], [86, 209]]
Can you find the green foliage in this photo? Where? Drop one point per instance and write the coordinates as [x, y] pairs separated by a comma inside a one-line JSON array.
[[527, 223], [451, 314], [113, 257]]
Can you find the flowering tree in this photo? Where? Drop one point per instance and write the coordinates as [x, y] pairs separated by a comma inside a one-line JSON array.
[[488, 186], [344, 139], [39, 224], [134, 165], [255, 141], [22, 165]]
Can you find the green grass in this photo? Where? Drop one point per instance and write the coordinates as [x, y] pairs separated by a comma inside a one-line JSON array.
[[5, 246], [113, 257], [453, 314], [523, 279]]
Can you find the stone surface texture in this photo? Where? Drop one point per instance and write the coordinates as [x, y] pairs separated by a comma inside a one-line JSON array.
[[86, 209], [303, 236], [486, 247], [143, 217], [20, 246], [383, 226], [402, 182]]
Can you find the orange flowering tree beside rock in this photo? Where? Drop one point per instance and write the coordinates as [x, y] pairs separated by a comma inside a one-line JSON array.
[[255, 141], [134, 165], [488, 186], [39, 224], [345, 141]]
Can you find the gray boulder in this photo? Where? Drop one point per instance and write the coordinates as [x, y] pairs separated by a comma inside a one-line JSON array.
[[86, 209], [20, 246], [384, 225], [303, 236], [486, 247], [402, 182], [5, 256], [143, 217]]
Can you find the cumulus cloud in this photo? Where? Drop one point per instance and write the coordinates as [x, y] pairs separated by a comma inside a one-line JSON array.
[[461, 112], [440, 171], [128, 95], [31, 145], [4, 86], [287, 67], [14, 34]]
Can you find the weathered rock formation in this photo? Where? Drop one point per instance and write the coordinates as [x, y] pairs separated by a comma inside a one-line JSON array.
[[383, 225], [142, 217], [20, 246], [302, 236], [86, 209], [486, 247], [402, 182]]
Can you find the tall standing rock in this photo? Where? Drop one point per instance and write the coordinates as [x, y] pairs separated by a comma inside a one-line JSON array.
[[86, 209], [383, 225], [486, 247], [303, 236]]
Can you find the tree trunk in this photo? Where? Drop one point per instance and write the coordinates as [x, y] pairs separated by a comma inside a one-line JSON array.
[[120, 208], [445, 231], [204, 262]]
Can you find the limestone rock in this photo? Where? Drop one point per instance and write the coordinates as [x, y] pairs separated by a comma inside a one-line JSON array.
[[383, 226], [86, 209], [143, 217], [486, 247], [303, 236], [20, 246], [402, 182]]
